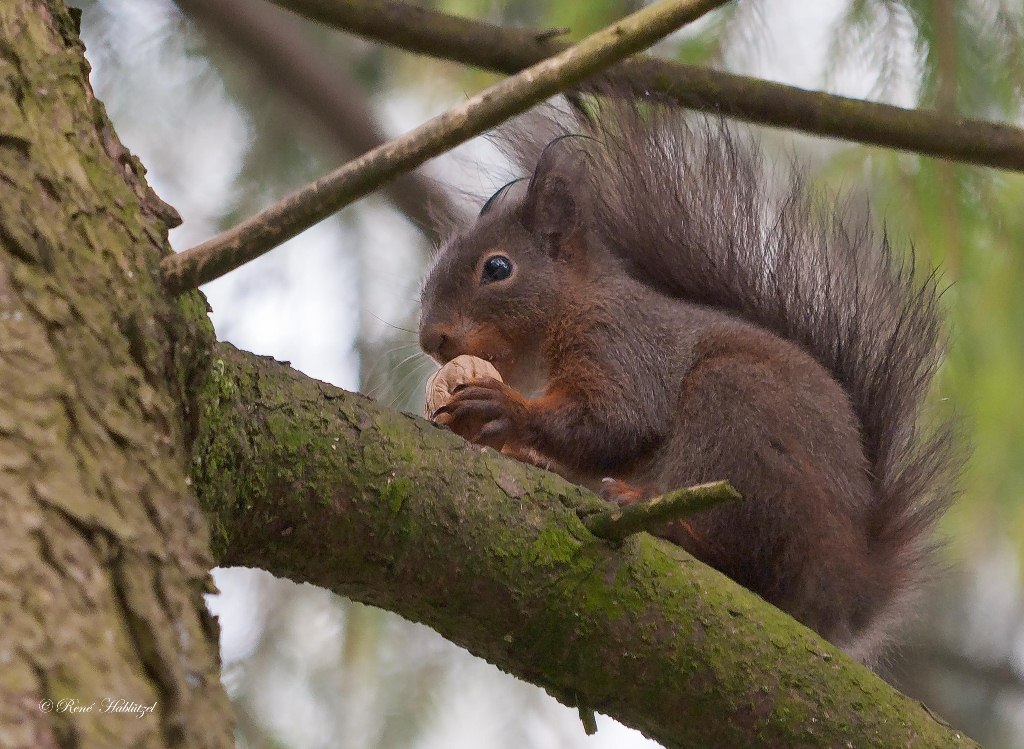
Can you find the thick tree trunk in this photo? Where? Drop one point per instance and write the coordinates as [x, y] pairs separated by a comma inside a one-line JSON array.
[[111, 390], [104, 553]]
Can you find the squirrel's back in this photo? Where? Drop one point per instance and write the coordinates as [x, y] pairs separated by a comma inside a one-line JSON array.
[[691, 210]]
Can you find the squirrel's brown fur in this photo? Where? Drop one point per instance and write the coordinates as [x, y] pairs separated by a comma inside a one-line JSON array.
[[671, 319]]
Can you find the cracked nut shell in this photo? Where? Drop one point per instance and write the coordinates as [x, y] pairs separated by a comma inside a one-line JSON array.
[[458, 371]]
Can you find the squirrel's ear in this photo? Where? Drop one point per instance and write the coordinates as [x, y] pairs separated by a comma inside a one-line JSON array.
[[552, 213]]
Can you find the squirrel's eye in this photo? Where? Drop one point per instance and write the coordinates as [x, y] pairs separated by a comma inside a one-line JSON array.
[[496, 268]]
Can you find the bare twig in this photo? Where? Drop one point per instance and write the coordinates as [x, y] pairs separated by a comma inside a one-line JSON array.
[[271, 43], [589, 720], [508, 50], [617, 524], [313, 203]]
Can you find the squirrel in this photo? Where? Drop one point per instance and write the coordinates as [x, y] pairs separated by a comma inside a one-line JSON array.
[[662, 315]]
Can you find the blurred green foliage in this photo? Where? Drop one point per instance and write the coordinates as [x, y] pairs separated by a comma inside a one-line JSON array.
[[967, 220]]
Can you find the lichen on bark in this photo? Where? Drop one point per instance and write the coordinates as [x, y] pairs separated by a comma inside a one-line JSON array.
[[104, 557]]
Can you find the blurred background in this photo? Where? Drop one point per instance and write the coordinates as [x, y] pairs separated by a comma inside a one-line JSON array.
[[233, 103]]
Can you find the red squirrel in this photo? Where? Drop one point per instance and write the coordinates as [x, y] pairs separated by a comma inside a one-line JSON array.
[[663, 315]]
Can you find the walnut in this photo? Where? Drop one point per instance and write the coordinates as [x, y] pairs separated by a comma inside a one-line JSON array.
[[460, 370]]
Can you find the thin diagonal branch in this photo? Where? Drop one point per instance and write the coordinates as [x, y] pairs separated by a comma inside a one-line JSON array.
[[508, 50], [617, 524], [271, 43], [302, 209]]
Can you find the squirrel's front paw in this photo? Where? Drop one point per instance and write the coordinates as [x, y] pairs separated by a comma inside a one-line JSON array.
[[487, 412]]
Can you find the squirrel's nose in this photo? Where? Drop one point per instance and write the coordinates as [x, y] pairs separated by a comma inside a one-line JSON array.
[[434, 340]]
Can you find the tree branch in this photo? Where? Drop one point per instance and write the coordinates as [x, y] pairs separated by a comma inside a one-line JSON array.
[[621, 522], [302, 209], [271, 43], [508, 50], [492, 554]]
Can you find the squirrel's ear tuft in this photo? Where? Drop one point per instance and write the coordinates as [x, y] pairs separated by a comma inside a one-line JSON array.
[[552, 212]]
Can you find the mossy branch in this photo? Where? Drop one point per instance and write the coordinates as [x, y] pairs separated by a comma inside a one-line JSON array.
[[315, 202], [507, 50], [493, 555], [619, 523]]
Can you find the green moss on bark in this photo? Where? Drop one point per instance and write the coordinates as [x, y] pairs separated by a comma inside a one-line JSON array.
[[493, 554], [105, 558]]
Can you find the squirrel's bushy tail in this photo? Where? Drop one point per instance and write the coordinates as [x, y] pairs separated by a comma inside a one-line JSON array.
[[691, 208]]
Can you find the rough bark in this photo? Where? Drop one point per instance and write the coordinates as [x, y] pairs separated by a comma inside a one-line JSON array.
[[104, 553], [323, 486]]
